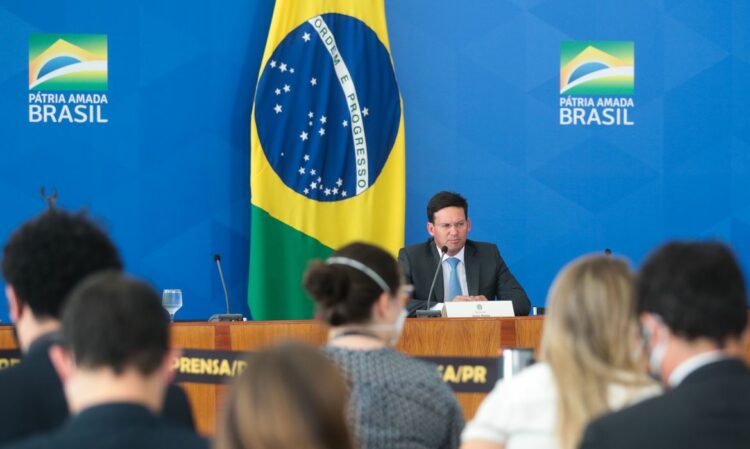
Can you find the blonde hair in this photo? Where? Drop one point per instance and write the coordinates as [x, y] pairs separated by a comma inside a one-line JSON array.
[[290, 396], [589, 334]]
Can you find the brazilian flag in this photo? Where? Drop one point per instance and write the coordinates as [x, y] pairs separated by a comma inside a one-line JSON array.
[[327, 146]]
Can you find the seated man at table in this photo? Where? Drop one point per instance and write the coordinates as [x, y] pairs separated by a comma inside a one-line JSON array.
[[693, 305], [42, 262], [471, 271], [115, 365]]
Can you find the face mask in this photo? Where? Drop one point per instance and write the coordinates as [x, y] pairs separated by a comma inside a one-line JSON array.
[[396, 329], [657, 353]]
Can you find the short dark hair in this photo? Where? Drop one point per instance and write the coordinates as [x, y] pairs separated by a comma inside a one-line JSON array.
[[697, 288], [444, 199], [116, 321], [48, 255], [345, 294]]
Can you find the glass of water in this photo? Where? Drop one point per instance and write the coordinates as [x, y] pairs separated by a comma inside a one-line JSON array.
[[171, 299]]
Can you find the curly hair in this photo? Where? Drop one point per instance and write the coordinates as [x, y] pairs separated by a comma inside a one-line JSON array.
[[50, 254]]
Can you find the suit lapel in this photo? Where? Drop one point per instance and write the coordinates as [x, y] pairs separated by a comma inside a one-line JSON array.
[[472, 268], [439, 291]]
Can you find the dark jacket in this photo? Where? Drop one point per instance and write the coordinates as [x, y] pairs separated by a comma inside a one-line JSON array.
[[709, 409], [486, 274], [33, 401], [116, 426]]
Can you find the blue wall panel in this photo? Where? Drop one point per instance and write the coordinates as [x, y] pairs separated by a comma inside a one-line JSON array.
[[168, 175]]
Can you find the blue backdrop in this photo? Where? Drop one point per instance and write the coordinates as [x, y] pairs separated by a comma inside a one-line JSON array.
[[168, 174]]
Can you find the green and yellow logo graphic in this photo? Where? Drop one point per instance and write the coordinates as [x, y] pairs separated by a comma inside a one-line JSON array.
[[597, 68], [68, 62]]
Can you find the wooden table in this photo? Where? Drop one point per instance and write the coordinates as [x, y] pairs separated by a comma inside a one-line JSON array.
[[466, 337]]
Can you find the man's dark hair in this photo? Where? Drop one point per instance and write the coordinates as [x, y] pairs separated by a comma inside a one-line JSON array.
[[48, 255], [697, 288], [115, 321], [444, 199]]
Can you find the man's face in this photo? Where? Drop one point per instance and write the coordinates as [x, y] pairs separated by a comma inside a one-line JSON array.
[[450, 228]]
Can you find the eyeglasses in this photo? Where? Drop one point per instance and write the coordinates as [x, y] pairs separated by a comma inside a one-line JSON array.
[[459, 225], [406, 290]]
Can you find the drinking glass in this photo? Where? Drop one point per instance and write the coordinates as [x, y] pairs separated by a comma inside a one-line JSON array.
[[171, 299]]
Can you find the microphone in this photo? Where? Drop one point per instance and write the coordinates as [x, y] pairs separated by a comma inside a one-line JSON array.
[[427, 313], [224, 316]]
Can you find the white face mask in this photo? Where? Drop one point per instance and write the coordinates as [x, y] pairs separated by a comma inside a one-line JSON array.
[[398, 327], [395, 329], [658, 351]]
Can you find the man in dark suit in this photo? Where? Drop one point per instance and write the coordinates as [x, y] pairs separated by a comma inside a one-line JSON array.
[[693, 306], [471, 271], [114, 362], [42, 262]]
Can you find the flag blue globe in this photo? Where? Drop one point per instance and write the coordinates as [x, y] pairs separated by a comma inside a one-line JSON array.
[[327, 108]]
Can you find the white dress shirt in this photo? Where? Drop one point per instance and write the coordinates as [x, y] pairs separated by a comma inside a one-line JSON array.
[[521, 412], [687, 367]]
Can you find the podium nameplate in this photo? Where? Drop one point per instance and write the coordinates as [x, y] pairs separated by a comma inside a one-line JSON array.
[[478, 309]]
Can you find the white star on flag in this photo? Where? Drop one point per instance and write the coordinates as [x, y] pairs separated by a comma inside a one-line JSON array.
[[306, 157], [328, 192], [322, 132], [287, 88], [343, 193], [313, 172], [277, 109], [313, 185], [310, 114], [320, 179], [282, 67], [303, 136], [306, 37], [339, 182], [306, 190], [335, 190], [277, 91], [365, 112], [323, 120], [344, 123], [313, 81], [301, 170], [291, 70], [309, 123], [273, 64]]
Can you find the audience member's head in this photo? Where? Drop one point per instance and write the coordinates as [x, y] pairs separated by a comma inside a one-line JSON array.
[[115, 343], [692, 299], [589, 332], [290, 396], [46, 257], [360, 284]]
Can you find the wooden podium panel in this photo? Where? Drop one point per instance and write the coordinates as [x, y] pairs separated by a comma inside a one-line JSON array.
[[463, 337]]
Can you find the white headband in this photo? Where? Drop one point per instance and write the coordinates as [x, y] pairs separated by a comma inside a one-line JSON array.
[[357, 265]]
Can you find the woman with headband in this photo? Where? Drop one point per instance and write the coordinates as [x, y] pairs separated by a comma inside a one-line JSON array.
[[396, 401]]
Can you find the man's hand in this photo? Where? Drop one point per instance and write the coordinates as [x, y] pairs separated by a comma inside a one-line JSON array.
[[470, 298]]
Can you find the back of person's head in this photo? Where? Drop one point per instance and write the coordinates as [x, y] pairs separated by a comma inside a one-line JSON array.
[[290, 396], [444, 199], [342, 287], [697, 289], [589, 332], [115, 321], [48, 255]]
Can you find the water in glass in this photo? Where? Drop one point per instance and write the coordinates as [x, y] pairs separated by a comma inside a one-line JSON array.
[[171, 299]]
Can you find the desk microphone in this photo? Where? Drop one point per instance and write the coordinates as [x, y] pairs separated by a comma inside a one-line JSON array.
[[427, 313], [224, 316]]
